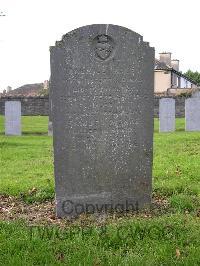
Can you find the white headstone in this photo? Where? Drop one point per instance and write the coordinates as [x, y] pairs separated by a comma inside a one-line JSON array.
[[192, 114], [13, 118], [166, 115]]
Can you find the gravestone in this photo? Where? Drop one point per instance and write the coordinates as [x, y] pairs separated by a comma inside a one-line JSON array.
[[102, 108], [167, 115], [50, 124], [50, 128], [192, 114], [13, 118]]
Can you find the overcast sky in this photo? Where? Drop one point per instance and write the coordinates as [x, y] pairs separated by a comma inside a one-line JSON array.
[[31, 26]]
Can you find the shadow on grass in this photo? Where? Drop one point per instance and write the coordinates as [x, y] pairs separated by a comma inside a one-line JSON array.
[[35, 133], [16, 144], [28, 133], [180, 129]]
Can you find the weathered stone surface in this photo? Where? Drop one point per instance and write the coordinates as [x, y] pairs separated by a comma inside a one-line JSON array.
[[102, 108], [167, 115], [50, 124], [192, 114], [50, 128], [13, 118]]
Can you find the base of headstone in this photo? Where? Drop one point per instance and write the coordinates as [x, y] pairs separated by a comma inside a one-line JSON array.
[[101, 203]]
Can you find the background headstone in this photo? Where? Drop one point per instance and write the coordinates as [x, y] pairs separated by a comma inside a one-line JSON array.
[[50, 124], [102, 108], [167, 119], [192, 114], [50, 128], [13, 118]]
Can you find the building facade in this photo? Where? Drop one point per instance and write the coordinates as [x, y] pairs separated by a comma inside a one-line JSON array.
[[168, 78]]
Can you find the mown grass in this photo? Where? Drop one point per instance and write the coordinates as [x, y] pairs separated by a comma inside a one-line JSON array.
[[31, 125], [27, 163], [166, 240]]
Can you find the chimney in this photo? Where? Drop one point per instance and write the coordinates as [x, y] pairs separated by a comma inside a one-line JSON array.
[[8, 89], [165, 58], [46, 85], [175, 64]]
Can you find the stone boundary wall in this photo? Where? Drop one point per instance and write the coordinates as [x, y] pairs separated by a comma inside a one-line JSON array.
[[179, 105], [40, 105], [30, 105]]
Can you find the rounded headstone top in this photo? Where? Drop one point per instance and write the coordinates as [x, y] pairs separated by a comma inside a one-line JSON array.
[[104, 33]]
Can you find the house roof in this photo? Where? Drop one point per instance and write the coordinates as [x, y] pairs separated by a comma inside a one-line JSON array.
[[162, 66]]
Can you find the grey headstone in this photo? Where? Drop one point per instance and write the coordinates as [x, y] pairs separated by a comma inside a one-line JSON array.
[[50, 123], [167, 115], [50, 128], [13, 118], [102, 108], [192, 114]]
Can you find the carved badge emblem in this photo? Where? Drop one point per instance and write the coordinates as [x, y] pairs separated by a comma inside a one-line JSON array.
[[103, 46]]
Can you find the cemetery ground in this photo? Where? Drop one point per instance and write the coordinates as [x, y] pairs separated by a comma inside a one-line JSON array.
[[30, 234]]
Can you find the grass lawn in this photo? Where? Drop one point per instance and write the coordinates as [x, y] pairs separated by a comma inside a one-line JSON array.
[[171, 237]]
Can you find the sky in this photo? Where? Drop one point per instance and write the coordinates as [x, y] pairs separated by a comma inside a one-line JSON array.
[[31, 26]]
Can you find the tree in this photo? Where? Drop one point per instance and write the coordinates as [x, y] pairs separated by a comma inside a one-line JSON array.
[[195, 76]]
